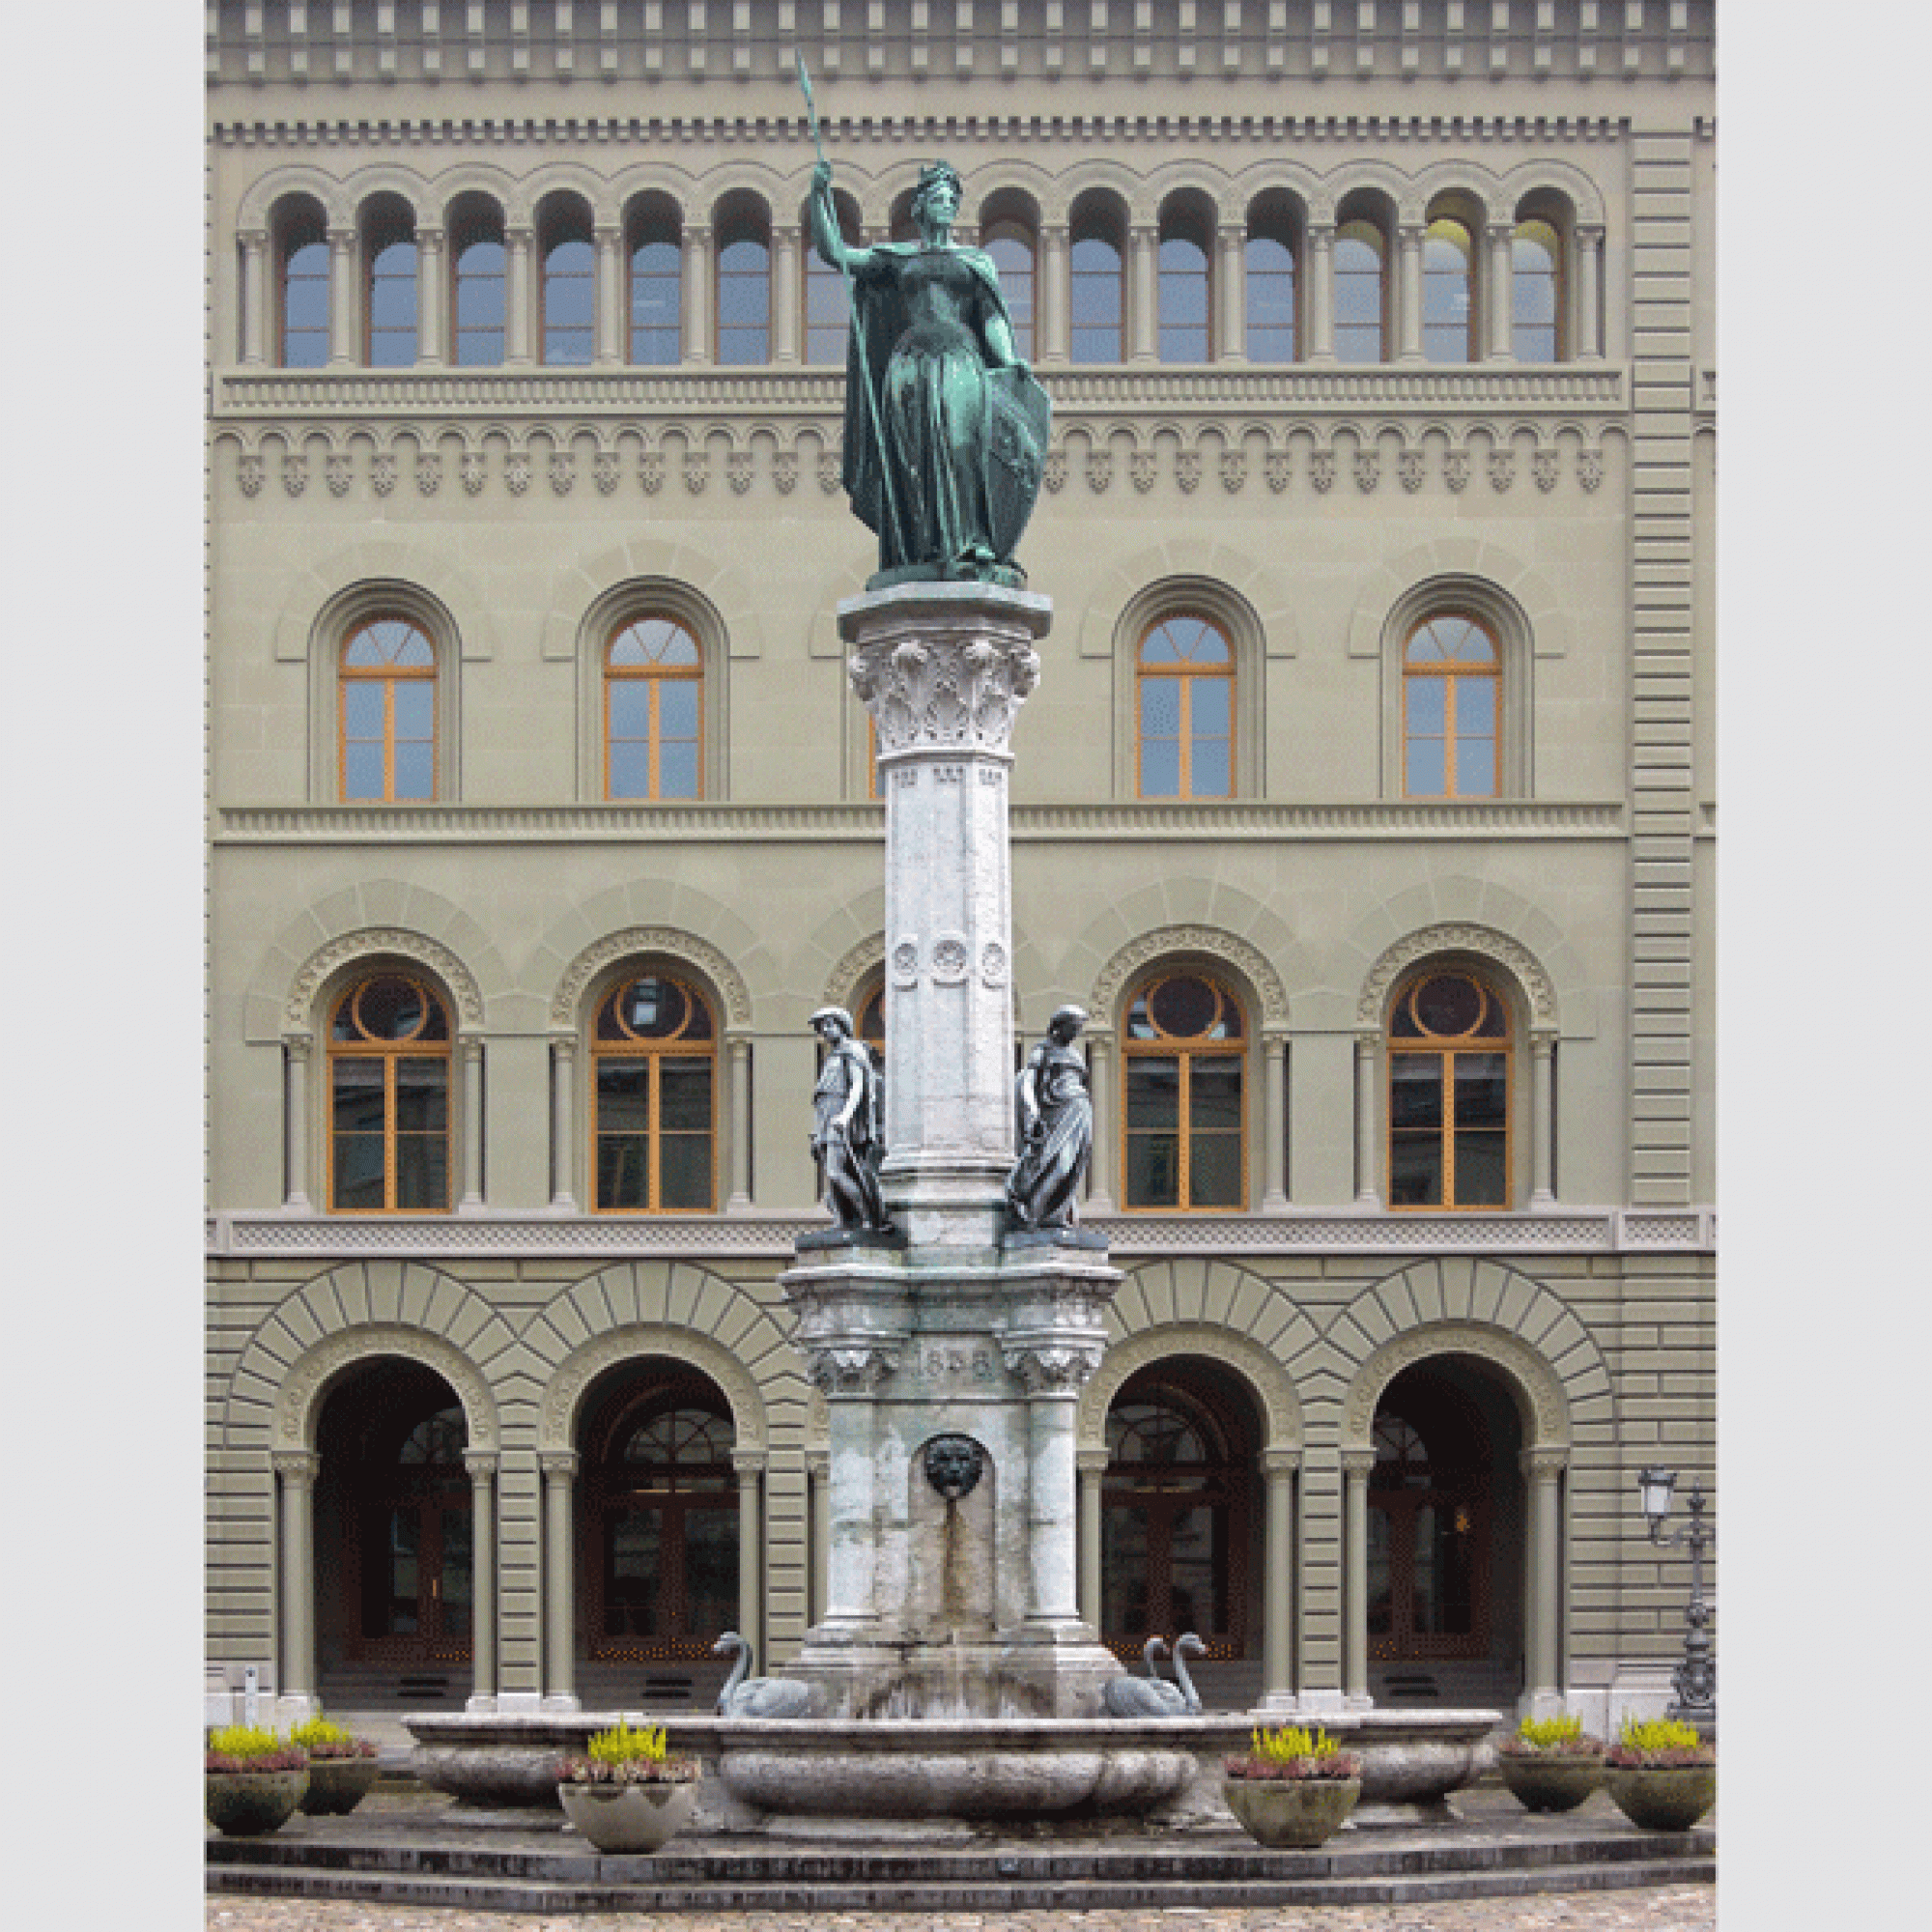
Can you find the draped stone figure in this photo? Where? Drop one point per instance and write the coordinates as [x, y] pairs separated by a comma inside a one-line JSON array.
[[946, 428], [1055, 1126], [845, 1137]]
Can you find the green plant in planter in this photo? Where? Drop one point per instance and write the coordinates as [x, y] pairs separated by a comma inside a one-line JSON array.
[[1551, 1764], [255, 1779], [1291, 1787], [628, 1792], [1291, 1752], [341, 1767], [1661, 1775]]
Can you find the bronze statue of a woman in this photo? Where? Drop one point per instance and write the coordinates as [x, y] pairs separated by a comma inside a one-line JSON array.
[[946, 428]]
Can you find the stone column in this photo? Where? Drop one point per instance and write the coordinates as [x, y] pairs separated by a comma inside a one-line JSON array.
[[697, 293], [432, 289], [944, 669], [469, 1050], [1587, 298], [1408, 293], [749, 1464], [1274, 1123], [1319, 301], [344, 303], [1499, 293], [1356, 1466], [296, 1471], [1367, 1165], [787, 298], [1543, 1120], [563, 1122], [1091, 1465], [1100, 1054], [818, 1494], [1281, 1675], [1052, 1376], [482, 1466], [559, 1580], [847, 1376], [519, 295], [738, 1070], [1143, 295], [1542, 1567], [299, 1048], [254, 296], [1231, 296], [607, 341], [1054, 315]]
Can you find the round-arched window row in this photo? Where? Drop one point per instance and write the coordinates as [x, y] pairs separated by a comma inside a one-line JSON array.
[[1520, 284]]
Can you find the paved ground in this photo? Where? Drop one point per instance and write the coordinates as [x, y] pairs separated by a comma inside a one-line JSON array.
[[1672, 1909]]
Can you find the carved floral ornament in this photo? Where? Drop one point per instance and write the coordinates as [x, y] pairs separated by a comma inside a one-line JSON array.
[[848, 1369], [1547, 1422], [374, 943], [563, 1394], [1205, 941], [1481, 941], [1052, 1368], [682, 948], [945, 692], [299, 1404]]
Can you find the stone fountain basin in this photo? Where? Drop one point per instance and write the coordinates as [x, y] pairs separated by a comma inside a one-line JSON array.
[[761, 1771]]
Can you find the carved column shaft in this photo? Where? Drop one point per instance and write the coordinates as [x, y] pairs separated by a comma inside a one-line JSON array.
[[1143, 295], [1054, 321], [1320, 299], [559, 1591], [1093, 1468], [738, 1070], [750, 1468], [608, 342], [697, 294], [343, 347], [1100, 1051], [1543, 1121], [818, 1496], [432, 271], [519, 294], [563, 1123], [1357, 1466], [1543, 1664], [255, 295], [1408, 294], [1367, 1194], [1499, 293], [296, 1471], [1587, 299], [787, 301], [1274, 1120], [1278, 1579], [1231, 296], [482, 1466], [471, 1054], [300, 1049]]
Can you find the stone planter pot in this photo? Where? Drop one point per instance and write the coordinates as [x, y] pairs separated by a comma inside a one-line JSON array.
[[628, 1817], [1664, 1799], [250, 1804], [1290, 1813], [1550, 1782], [337, 1784]]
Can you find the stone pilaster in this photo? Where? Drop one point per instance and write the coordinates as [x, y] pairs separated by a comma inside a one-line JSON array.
[[482, 1466]]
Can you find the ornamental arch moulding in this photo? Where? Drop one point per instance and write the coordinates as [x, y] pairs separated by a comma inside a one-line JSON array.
[[1531, 1380], [407, 185], [481, 180], [258, 203], [1526, 970], [717, 591], [570, 1002], [407, 567], [1484, 569], [309, 990], [1258, 1369], [556, 177], [1549, 176], [1258, 977], [1250, 586]]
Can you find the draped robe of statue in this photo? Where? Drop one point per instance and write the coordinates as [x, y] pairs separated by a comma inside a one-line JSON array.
[[1056, 1135], [845, 1135], [944, 449]]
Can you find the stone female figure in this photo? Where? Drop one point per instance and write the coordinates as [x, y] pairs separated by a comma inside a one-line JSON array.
[[846, 1138], [945, 429], [1055, 1128]]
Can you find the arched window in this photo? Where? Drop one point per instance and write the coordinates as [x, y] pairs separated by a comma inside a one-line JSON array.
[[828, 307], [653, 711], [661, 1501], [1185, 710], [657, 286], [1448, 292], [1183, 302], [568, 285], [1099, 306], [1361, 292], [476, 265], [654, 1049], [1448, 1092], [387, 712], [301, 251], [388, 1096], [744, 287], [1535, 301], [1271, 256], [1451, 693], [389, 289], [1183, 1123], [1010, 242]]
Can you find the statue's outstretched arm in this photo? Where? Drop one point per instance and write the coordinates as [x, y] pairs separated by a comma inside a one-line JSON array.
[[832, 247]]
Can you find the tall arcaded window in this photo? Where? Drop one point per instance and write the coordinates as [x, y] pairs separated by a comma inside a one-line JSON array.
[[657, 287], [653, 711], [1451, 701], [744, 287], [1536, 298], [388, 1098], [387, 705], [1448, 1094], [1010, 242], [1271, 256], [1361, 293], [1182, 1124], [1448, 292], [389, 289], [1099, 303], [828, 308], [568, 287], [1182, 284], [479, 304], [1185, 700], [301, 251], [654, 1050]]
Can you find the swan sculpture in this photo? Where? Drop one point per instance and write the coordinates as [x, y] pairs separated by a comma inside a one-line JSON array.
[[1149, 1697], [1189, 1645], [747, 1696]]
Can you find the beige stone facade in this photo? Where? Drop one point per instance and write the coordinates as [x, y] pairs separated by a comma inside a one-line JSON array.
[[514, 491]]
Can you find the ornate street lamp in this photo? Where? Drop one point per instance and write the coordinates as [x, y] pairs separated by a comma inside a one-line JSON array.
[[1696, 1678]]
